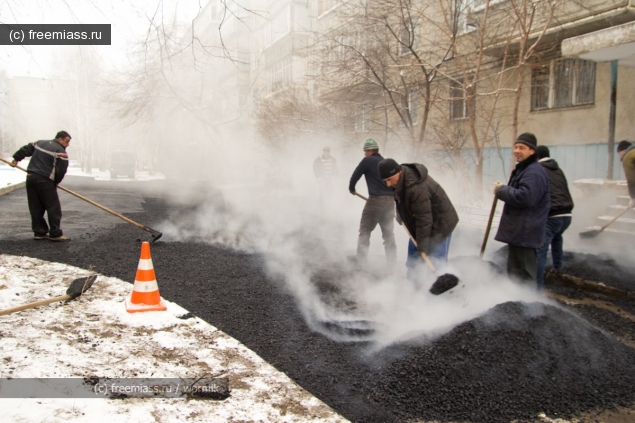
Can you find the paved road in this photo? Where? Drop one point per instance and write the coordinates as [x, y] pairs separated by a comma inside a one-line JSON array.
[[80, 219]]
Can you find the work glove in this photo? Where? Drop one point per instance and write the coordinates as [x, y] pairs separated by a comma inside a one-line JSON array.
[[352, 192], [497, 185], [631, 203]]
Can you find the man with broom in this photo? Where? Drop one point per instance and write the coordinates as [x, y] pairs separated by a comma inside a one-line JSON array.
[[423, 208], [46, 170], [524, 219]]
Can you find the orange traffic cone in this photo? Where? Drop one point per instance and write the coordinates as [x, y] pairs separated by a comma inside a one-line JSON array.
[[145, 292]]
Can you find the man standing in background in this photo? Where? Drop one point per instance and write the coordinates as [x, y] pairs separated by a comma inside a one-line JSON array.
[[559, 214], [325, 169], [523, 222], [626, 150], [379, 208], [46, 170]]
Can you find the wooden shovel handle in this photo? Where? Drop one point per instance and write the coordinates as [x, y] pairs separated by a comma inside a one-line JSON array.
[[424, 256], [489, 226], [35, 304]]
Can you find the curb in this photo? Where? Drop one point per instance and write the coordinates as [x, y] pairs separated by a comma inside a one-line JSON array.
[[11, 188], [590, 286]]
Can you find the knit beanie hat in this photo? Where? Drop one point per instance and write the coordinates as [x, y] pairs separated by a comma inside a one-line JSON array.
[[528, 139], [388, 168], [370, 144], [542, 151], [623, 145]]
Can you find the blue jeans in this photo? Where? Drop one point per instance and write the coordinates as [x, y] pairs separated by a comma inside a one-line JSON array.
[[553, 237], [438, 255]]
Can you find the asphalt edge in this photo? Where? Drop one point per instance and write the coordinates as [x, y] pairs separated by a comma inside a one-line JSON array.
[[11, 188]]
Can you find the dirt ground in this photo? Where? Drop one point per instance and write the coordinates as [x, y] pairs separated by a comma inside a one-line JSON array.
[[479, 372]]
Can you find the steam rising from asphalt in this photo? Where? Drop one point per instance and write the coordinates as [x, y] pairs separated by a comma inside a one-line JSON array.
[[305, 242]]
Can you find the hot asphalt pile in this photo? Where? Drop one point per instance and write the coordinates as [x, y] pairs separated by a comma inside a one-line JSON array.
[[600, 269], [514, 362], [511, 363]]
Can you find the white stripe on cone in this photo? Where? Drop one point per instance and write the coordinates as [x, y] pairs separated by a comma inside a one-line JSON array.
[[145, 286], [145, 264]]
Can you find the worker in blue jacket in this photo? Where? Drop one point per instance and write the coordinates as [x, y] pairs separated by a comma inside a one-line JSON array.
[[524, 219]]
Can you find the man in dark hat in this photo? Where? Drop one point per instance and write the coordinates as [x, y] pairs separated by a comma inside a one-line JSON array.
[[523, 222], [626, 150], [379, 208], [559, 214], [424, 208], [48, 165]]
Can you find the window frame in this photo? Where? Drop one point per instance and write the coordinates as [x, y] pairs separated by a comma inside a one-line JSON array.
[[572, 93]]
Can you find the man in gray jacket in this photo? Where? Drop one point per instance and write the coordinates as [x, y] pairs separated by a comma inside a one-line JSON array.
[[379, 208], [46, 170], [424, 208]]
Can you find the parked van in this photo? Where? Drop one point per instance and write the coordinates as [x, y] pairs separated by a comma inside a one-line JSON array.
[[122, 163]]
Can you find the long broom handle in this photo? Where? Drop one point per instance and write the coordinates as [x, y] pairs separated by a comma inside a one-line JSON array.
[[106, 209], [615, 218], [35, 304], [489, 226], [424, 256]]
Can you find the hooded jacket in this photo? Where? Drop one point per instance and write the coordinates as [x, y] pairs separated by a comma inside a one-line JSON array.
[[526, 196], [424, 207], [628, 163], [51, 163], [559, 196]]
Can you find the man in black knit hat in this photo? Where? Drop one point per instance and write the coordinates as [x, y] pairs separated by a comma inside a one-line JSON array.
[[523, 222], [559, 214], [425, 210]]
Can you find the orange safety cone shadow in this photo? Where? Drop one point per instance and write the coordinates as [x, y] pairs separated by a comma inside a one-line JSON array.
[[145, 292]]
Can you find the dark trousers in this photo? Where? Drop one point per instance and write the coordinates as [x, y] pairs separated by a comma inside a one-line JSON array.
[[379, 209], [553, 237], [521, 264], [42, 196]]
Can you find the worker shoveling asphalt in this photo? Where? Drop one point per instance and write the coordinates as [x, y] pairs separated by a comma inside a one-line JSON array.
[[155, 234], [444, 282]]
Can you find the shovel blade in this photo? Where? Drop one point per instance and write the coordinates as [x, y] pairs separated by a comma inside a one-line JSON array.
[[589, 234], [78, 286], [444, 283]]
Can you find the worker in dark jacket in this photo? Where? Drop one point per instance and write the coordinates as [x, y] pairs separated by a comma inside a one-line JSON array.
[[46, 170], [523, 222], [325, 171], [559, 214], [424, 208], [626, 150], [379, 208]]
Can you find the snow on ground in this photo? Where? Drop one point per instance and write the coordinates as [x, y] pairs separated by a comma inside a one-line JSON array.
[[94, 336]]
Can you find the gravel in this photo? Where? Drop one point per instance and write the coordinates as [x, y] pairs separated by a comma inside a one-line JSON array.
[[514, 362]]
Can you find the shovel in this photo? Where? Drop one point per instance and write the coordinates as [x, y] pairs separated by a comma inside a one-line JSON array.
[[155, 234], [444, 282], [595, 232], [489, 226], [77, 288]]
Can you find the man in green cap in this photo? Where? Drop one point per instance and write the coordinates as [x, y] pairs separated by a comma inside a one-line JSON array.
[[380, 207]]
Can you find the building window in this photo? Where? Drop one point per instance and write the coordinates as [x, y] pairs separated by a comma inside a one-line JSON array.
[[362, 120], [562, 83], [280, 74], [458, 100], [326, 5], [413, 106]]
